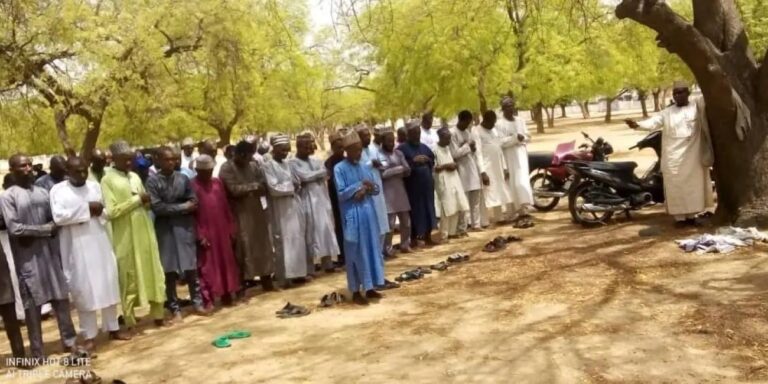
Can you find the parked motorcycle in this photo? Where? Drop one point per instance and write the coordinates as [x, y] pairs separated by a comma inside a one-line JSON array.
[[550, 180], [600, 189]]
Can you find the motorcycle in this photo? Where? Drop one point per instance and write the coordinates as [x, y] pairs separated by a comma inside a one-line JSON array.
[[601, 189], [550, 180]]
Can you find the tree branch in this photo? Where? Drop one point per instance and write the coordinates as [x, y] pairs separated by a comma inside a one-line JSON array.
[[681, 38]]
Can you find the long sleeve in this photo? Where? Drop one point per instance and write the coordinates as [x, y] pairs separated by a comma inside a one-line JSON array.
[[116, 209], [68, 211], [160, 207], [651, 124], [276, 187], [394, 171], [307, 175], [345, 189], [431, 156], [235, 188], [17, 228], [479, 153], [459, 150]]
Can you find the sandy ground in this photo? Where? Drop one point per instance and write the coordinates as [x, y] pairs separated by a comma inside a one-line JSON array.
[[567, 305]]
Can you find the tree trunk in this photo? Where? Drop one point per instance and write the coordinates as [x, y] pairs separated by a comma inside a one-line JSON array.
[[663, 102], [225, 135], [60, 118], [538, 117], [716, 49], [608, 110], [656, 105], [550, 116], [643, 96], [584, 106], [91, 138], [562, 111]]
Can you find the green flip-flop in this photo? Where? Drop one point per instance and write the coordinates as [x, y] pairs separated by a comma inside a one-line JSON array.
[[238, 335], [221, 342]]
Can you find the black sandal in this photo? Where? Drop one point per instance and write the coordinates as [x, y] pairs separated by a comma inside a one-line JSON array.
[[513, 239]]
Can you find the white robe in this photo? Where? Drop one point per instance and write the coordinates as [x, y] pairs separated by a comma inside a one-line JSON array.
[[516, 155], [318, 213], [452, 198], [687, 185], [492, 158], [87, 258], [288, 228], [470, 166]]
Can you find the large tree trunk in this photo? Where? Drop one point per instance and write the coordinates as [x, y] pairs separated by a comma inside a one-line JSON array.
[[608, 110], [717, 51], [562, 111], [643, 96], [225, 135], [537, 114], [656, 106]]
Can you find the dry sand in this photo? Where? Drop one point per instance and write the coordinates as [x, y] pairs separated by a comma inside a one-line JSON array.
[[567, 305]]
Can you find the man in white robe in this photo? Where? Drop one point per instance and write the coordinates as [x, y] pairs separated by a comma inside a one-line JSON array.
[[451, 198], [288, 228], [87, 258], [496, 188], [428, 135], [514, 141], [686, 155], [322, 247], [187, 153], [465, 152]]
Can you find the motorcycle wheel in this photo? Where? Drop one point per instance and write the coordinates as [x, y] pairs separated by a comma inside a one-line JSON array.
[[578, 197], [543, 181]]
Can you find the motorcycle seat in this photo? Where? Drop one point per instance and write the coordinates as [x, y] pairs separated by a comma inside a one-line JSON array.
[[538, 160], [612, 166]]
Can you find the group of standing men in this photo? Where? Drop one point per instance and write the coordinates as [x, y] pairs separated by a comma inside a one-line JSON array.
[[103, 237]]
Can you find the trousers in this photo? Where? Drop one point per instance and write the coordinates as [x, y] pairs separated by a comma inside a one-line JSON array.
[[89, 326]]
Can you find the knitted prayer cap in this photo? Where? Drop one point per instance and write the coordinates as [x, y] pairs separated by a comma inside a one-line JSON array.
[[204, 162], [120, 147], [187, 142], [350, 139], [280, 139]]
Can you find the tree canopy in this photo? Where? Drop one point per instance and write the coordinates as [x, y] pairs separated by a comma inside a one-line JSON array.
[[77, 74]]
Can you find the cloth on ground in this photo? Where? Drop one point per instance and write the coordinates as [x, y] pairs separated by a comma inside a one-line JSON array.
[[725, 240]]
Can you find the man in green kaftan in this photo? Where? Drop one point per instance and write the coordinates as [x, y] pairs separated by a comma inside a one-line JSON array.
[[133, 237]]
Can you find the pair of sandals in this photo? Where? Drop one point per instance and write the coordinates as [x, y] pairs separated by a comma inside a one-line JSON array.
[[414, 274], [291, 310], [457, 258], [499, 243], [224, 341], [332, 299]]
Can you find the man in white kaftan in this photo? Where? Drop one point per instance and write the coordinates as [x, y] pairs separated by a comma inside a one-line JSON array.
[[288, 228], [496, 190], [89, 264], [450, 192], [515, 138], [686, 155], [322, 247], [465, 152]]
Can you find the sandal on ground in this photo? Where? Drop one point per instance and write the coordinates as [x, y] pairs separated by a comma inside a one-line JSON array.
[[424, 270], [326, 301], [295, 311], [387, 285], [490, 247], [513, 239], [238, 335], [221, 342], [441, 266], [286, 309], [455, 258], [408, 276]]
